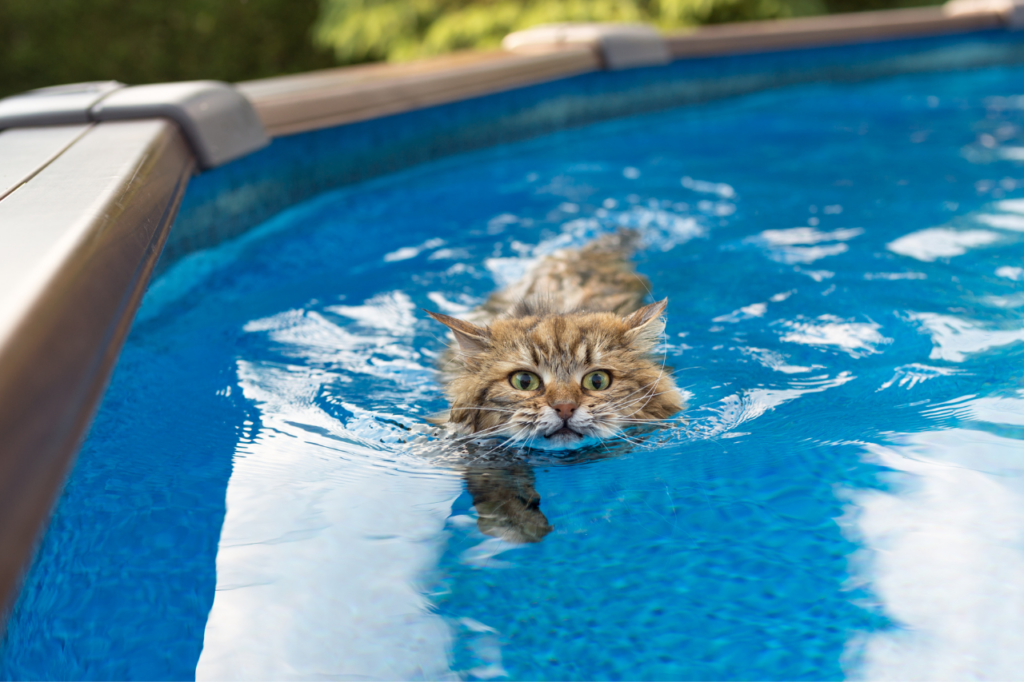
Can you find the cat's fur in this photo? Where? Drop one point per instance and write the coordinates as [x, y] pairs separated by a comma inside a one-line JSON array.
[[576, 312]]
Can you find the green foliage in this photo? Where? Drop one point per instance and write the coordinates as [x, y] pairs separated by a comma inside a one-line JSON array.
[[47, 42], [369, 30], [679, 13]]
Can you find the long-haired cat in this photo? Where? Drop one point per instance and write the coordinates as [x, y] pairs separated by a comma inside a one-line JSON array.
[[560, 360], [564, 358]]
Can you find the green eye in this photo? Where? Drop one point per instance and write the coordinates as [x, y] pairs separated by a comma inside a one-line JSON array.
[[597, 381], [524, 381]]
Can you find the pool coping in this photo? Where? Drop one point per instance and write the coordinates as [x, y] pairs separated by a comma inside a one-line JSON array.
[[74, 270], [294, 104], [85, 211]]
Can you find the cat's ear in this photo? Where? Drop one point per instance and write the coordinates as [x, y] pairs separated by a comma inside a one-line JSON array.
[[472, 339], [646, 324]]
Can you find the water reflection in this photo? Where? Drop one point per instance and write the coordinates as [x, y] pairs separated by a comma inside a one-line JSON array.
[[501, 480], [336, 512], [945, 553], [329, 535], [507, 503]]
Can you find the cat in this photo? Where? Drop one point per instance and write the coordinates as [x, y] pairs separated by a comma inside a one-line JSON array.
[[568, 362], [561, 360]]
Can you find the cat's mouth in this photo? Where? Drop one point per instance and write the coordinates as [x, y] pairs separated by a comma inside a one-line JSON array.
[[565, 432]]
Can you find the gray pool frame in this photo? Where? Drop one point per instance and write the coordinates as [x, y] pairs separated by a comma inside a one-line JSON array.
[[87, 207]]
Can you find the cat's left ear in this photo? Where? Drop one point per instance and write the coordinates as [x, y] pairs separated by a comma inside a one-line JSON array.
[[472, 339], [646, 324]]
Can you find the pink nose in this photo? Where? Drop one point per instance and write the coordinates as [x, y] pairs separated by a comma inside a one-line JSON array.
[[564, 410]]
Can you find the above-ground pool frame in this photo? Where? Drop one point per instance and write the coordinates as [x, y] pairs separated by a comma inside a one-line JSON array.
[[87, 205]]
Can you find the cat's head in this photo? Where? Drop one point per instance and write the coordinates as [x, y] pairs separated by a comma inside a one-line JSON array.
[[559, 381]]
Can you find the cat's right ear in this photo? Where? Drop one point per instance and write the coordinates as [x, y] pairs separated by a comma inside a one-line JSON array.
[[646, 324], [472, 339]]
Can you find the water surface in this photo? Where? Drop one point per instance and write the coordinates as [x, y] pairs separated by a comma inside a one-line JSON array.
[[842, 498]]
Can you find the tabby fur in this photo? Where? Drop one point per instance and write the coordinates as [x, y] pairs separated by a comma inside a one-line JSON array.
[[577, 311]]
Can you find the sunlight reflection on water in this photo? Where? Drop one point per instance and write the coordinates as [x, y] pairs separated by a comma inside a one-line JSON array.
[[944, 551]]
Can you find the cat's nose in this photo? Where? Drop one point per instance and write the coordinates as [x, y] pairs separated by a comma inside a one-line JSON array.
[[564, 410]]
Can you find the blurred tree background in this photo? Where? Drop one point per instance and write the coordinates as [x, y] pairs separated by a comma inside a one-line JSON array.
[[363, 30], [48, 42]]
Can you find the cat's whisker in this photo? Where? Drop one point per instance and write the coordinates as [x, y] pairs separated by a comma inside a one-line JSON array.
[[624, 402], [487, 432], [490, 430], [618, 407], [494, 449], [652, 384], [646, 403], [651, 390], [583, 323], [480, 434], [654, 393], [487, 409], [643, 387], [514, 438]]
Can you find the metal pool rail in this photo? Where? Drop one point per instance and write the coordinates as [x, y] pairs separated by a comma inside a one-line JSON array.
[[93, 177]]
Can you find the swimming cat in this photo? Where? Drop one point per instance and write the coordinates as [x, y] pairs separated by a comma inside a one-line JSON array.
[[562, 359]]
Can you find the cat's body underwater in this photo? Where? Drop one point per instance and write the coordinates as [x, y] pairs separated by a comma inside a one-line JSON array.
[[563, 358]]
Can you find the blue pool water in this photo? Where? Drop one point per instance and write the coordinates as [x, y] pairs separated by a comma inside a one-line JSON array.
[[843, 497]]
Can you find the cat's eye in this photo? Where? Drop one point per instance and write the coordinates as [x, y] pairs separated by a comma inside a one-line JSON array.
[[597, 381], [524, 381]]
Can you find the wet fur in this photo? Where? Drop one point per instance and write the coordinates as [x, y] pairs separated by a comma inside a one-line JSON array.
[[583, 312], [575, 312]]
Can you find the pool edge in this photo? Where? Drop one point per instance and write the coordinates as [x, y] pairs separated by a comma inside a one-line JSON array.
[[98, 247]]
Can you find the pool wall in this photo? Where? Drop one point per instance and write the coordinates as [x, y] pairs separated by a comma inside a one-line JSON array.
[[85, 210]]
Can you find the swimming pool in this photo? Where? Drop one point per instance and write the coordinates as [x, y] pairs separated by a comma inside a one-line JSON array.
[[842, 497]]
